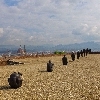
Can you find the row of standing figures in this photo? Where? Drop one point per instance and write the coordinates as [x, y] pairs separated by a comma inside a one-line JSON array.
[[15, 80], [81, 53]]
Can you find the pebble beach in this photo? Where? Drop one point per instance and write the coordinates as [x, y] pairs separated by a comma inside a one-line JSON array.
[[79, 80]]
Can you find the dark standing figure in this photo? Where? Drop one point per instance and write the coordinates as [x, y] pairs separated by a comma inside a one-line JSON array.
[[73, 56], [78, 54], [64, 60], [15, 80], [84, 52], [81, 52], [50, 66], [87, 51]]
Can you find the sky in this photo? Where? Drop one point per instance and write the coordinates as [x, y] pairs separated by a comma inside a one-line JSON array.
[[41, 22]]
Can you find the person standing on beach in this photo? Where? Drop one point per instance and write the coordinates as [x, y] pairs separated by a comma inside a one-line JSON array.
[[84, 52], [78, 54], [64, 60], [81, 52], [73, 56], [87, 51]]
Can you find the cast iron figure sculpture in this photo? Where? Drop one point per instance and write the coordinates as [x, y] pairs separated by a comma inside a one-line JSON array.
[[15, 80], [64, 60], [78, 54], [73, 56], [50, 66]]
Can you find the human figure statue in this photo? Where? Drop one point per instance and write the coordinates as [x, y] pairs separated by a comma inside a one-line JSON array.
[[81, 52], [84, 52], [87, 51], [78, 54], [15, 80], [73, 55], [37, 54], [50, 66], [64, 60]]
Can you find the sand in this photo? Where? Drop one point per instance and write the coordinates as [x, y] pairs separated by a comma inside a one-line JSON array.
[[79, 80]]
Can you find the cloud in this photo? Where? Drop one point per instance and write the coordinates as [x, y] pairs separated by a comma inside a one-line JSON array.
[[1, 32], [49, 21]]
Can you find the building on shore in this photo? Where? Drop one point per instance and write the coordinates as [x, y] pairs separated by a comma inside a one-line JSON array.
[[21, 51]]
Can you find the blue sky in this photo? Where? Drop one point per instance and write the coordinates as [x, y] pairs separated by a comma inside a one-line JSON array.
[[38, 22], [11, 2]]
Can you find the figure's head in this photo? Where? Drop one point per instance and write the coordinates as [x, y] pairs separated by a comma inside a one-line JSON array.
[[14, 72], [49, 61], [20, 73], [64, 55]]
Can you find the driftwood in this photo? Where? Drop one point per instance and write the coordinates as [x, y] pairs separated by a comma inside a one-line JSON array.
[[9, 62]]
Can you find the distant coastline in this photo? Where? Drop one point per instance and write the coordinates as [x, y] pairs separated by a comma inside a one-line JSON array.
[[94, 46]]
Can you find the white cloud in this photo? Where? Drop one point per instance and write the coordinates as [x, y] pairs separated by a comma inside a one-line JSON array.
[[50, 21], [1, 32]]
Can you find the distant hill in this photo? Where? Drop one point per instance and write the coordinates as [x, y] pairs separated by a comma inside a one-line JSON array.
[[77, 46]]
